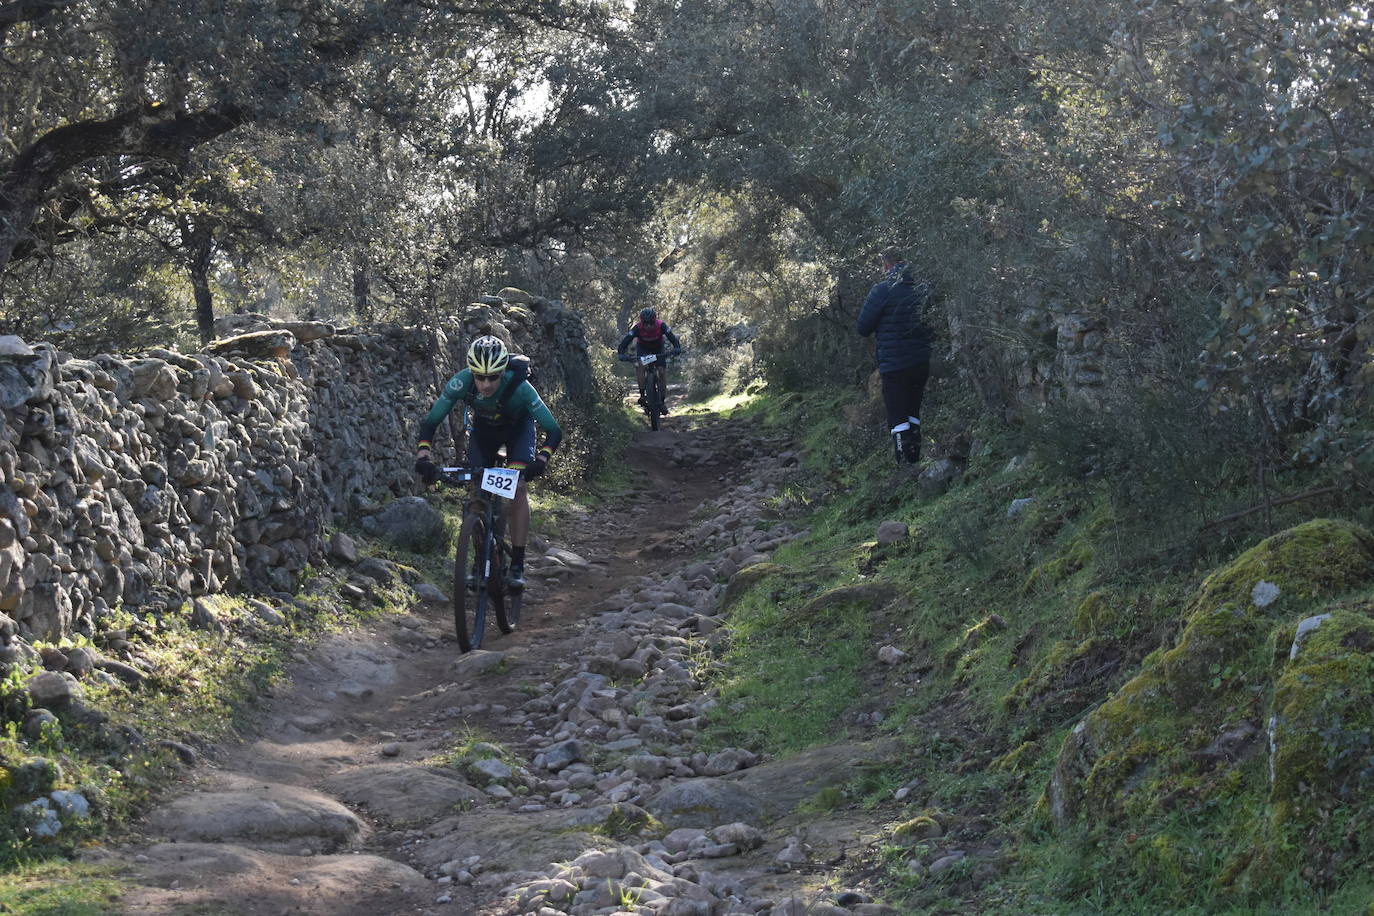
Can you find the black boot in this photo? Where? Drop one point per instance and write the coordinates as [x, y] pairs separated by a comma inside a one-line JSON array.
[[911, 445], [906, 444]]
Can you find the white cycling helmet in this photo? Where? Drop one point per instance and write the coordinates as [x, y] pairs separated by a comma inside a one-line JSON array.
[[488, 355]]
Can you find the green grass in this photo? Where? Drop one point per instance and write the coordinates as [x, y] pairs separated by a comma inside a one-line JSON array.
[[59, 889], [994, 607], [790, 678], [724, 405]]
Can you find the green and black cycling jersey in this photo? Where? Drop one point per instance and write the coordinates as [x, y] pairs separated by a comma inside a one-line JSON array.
[[513, 401]]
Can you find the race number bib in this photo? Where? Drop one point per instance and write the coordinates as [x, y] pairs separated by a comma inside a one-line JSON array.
[[501, 481], [645, 360]]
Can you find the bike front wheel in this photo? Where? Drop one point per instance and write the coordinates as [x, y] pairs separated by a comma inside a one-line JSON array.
[[655, 402], [472, 558], [508, 606]]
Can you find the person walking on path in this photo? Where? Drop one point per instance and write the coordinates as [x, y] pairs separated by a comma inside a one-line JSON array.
[[895, 311]]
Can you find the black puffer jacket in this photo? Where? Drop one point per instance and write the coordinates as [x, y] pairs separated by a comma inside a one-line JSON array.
[[895, 309]]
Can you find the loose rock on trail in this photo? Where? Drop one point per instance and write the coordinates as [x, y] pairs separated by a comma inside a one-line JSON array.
[[350, 798]]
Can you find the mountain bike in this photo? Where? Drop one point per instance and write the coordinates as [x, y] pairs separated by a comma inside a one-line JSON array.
[[482, 557], [655, 395]]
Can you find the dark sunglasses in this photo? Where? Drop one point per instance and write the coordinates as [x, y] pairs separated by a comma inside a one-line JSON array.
[[485, 378]]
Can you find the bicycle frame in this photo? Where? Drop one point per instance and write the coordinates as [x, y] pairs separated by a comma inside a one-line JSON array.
[[480, 556], [655, 383]]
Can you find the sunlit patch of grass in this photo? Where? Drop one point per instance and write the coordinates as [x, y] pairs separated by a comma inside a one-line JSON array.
[[726, 405], [59, 887]]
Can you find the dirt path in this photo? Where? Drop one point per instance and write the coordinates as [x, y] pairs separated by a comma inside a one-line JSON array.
[[347, 800]]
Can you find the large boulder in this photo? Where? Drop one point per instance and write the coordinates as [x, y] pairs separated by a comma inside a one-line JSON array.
[[264, 815], [409, 522], [256, 344], [25, 373], [1318, 558], [705, 803], [1322, 719]]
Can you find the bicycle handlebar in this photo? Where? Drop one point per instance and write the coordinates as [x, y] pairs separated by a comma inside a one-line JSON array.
[[457, 476]]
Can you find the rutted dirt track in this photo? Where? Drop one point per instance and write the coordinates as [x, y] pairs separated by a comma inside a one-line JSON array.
[[339, 803]]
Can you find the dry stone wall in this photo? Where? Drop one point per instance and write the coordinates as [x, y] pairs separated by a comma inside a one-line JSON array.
[[144, 480]]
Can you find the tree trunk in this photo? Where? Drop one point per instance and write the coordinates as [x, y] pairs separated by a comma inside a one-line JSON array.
[[362, 285], [200, 246]]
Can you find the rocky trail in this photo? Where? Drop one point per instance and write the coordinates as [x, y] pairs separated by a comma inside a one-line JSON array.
[[391, 774]]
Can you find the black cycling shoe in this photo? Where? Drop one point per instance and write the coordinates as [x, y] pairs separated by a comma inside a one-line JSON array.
[[911, 447], [516, 578], [907, 444]]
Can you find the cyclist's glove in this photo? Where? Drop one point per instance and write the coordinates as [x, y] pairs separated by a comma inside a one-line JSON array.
[[540, 464], [428, 470], [677, 351]]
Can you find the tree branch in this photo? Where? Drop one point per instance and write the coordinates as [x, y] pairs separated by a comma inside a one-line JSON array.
[[1269, 504], [150, 130]]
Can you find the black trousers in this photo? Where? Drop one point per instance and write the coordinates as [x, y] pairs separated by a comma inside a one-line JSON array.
[[902, 392]]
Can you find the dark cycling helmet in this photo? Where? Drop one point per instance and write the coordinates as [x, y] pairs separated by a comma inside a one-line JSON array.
[[647, 314], [488, 355]]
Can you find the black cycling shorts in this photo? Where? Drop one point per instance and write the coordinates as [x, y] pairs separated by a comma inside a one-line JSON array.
[[487, 438]]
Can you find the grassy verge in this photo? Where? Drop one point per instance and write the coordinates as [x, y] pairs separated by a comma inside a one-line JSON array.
[[1016, 623], [554, 500], [202, 674], [59, 887]]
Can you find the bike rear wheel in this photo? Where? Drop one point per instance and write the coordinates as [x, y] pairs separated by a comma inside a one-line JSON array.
[[470, 607]]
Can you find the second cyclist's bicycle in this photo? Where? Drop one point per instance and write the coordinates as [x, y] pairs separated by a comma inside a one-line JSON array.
[[482, 557], [655, 396]]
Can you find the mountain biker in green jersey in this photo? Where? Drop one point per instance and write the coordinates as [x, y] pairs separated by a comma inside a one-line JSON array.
[[505, 410]]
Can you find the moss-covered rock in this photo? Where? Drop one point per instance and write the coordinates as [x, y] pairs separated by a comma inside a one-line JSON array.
[[1094, 614], [921, 827], [1316, 559], [871, 594], [746, 579], [1213, 643], [1322, 730], [1186, 732], [1111, 753]]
